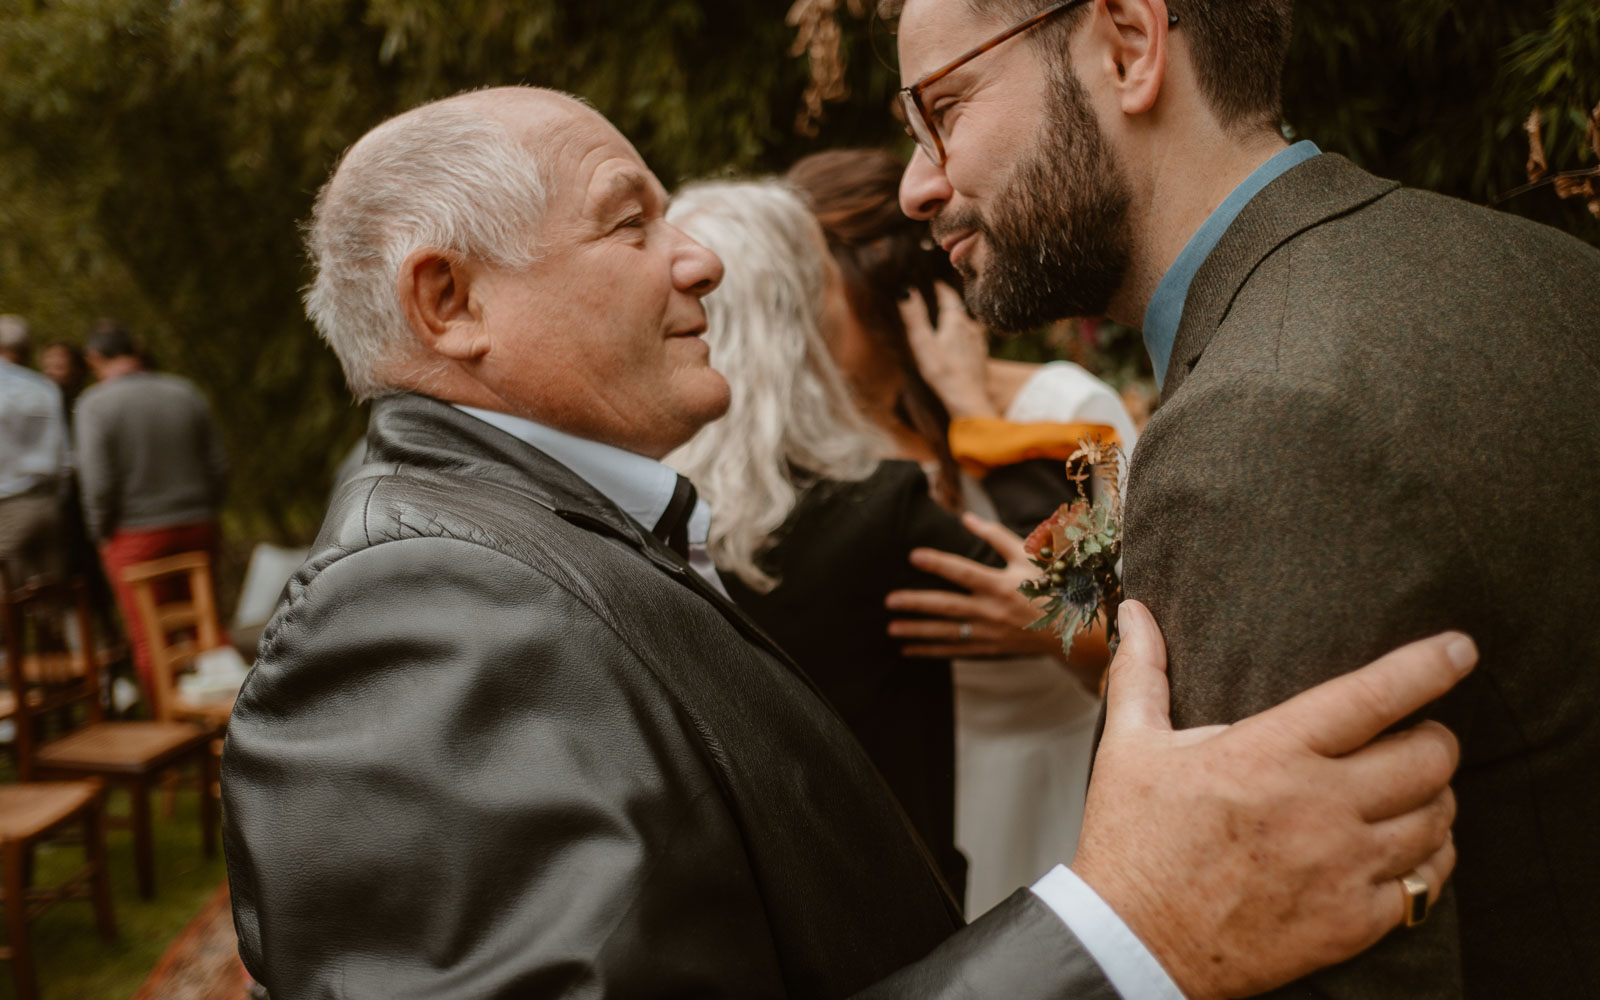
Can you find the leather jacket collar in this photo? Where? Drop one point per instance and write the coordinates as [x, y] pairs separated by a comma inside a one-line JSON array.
[[423, 433]]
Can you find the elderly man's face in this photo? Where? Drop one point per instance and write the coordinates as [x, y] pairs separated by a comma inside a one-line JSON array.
[[601, 336], [1031, 203]]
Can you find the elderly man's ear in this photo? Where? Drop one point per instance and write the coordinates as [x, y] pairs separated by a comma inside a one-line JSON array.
[[440, 301]]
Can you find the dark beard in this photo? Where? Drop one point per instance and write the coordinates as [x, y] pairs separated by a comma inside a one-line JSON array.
[[1058, 234]]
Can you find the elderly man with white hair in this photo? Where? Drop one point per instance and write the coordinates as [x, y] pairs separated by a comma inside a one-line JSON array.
[[504, 739], [35, 465]]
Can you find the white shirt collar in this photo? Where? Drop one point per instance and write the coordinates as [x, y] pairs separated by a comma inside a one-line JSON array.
[[640, 486]]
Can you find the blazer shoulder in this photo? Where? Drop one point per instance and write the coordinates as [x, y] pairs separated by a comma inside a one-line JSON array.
[[1413, 291]]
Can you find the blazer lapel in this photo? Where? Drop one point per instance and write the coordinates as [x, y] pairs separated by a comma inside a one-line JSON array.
[[1322, 188]]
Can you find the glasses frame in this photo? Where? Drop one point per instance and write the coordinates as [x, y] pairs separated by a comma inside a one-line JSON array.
[[920, 127]]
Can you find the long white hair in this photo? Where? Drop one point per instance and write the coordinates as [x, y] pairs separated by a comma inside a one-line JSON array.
[[792, 421]]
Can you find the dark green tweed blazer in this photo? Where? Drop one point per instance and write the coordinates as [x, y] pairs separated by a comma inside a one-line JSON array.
[[1380, 422]]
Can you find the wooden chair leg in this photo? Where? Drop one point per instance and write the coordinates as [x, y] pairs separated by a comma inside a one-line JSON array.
[[208, 769], [16, 906], [94, 845], [169, 794], [144, 860]]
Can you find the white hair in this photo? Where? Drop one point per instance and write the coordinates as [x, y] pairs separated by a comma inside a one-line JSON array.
[[792, 421], [14, 334], [445, 175]]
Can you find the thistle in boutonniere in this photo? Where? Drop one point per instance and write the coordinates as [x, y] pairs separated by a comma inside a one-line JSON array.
[[1077, 549]]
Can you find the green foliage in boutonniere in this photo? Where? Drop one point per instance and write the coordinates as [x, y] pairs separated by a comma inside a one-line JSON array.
[[1077, 549]]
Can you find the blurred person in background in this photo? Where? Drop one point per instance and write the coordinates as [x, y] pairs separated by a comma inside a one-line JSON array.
[[918, 365], [63, 364], [1024, 726], [151, 467], [818, 510], [16, 341], [35, 466]]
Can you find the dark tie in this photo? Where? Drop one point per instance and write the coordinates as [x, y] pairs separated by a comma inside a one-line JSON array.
[[673, 528]]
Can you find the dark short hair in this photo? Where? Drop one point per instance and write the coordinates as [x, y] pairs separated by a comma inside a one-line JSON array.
[[1239, 46], [110, 339]]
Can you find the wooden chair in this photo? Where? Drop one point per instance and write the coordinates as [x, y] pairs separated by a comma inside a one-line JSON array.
[[177, 629], [29, 814], [131, 755]]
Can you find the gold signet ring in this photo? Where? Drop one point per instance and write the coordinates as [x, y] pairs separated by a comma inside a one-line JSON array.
[[1416, 888]]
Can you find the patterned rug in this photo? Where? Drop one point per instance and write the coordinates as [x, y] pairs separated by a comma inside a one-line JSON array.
[[203, 962]]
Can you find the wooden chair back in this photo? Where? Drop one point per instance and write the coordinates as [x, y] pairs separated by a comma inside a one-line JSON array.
[[46, 675], [178, 610]]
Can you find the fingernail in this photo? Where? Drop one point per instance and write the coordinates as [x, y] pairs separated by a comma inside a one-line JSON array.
[[1462, 653], [1122, 616], [892, 601]]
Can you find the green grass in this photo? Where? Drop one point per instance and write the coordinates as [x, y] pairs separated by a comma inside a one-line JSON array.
[[72, 962]]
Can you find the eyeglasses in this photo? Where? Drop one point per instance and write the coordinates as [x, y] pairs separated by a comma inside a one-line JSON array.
[[920, 126]]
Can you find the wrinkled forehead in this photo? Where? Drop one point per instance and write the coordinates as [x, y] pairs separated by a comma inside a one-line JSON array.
[[590, 164]]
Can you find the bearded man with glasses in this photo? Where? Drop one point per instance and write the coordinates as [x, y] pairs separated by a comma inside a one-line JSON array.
[[1358, 381]]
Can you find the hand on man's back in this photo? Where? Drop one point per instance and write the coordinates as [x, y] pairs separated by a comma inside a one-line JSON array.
[[1246, 856]]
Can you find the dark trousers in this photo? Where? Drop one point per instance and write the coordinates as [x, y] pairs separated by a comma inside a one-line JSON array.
[[31, 540]]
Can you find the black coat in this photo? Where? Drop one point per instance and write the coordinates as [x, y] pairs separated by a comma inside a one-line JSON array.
[[500, 742], [838, 555], [844, 547]]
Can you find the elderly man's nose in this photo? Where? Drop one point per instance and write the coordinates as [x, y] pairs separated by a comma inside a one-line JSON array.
[[923, 187], [697, 271]]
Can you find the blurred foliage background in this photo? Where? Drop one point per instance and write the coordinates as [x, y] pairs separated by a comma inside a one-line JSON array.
[[159, 156]]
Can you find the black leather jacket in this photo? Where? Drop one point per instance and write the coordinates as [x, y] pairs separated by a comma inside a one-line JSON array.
[[500, 742]]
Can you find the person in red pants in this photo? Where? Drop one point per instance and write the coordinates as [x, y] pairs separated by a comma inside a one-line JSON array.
[[151, 466]]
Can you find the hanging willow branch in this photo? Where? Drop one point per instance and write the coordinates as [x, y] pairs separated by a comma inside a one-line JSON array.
[[1583, 184], [819, 38]]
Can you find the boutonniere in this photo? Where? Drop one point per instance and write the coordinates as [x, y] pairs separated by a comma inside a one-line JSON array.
[[1077, 549]]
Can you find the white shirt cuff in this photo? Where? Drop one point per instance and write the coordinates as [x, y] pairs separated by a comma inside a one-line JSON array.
[[1133, 971]]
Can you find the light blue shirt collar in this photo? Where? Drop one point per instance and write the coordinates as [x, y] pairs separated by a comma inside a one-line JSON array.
[[1165, 312], [640, 486]]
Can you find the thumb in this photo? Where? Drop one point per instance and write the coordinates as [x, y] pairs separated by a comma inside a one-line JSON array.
[[1137, 697]]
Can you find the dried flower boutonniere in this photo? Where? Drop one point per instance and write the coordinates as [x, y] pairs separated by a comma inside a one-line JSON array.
[[1077, 548]]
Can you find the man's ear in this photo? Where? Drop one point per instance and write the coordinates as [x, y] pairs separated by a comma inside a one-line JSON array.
[[1133, 37], [437, 293]]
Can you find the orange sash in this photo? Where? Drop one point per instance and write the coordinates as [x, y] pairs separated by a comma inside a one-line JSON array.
[[983, 443]]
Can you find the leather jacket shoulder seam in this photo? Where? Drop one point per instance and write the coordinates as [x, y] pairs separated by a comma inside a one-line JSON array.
[[366, 509]]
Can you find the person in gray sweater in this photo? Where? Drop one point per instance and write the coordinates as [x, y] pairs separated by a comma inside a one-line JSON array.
[[151, 466]]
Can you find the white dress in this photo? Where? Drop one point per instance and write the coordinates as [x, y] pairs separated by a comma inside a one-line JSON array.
[[1024, 726]]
